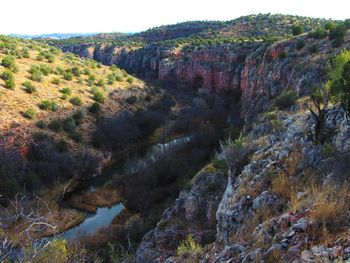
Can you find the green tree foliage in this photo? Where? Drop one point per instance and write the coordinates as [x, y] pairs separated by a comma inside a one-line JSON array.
[[339, 80]]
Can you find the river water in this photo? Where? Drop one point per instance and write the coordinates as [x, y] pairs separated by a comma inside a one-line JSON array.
[[129, 164]]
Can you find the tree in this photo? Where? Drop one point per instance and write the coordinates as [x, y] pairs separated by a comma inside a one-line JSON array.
[[297, 30]]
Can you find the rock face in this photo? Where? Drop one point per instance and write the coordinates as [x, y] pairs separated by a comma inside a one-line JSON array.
[[259, 71]]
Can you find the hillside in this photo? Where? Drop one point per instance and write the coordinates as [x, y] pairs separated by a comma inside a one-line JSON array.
[[46, 84]]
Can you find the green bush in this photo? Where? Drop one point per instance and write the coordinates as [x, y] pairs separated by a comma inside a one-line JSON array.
[[300, 44], [10, 63], [99, 97], [48, 105], [101, 83], [67, 75], [337, 33], [313, 49], [91, 80], [50, 58], [10, 84], [30, 113], [110, 79], [41, 124], [61, 146], [75, 101], [319, 33], [28, 87], [76, 71], [55, 125], [118, 78], [131, 99], [189, 245], [56, 81], [46, 70], [330, 25], [130, 80], [297, 30], [76, 136], [36, 74], [283, 54], [67, 91], [220, 164], [95, 108], [69, 125], [286, 100], [78, 117]]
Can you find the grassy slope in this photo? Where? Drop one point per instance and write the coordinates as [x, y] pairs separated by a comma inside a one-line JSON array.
[[13, 103]]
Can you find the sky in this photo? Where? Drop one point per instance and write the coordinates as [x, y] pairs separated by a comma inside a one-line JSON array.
[[72, 16]]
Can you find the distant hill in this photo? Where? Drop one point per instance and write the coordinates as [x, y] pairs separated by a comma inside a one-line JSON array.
[[263, 27], [53, 35]]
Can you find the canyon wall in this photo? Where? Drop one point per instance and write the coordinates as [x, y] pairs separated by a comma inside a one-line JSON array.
[[261, 71]]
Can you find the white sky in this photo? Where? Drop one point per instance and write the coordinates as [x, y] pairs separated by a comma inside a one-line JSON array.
[[69, 16]]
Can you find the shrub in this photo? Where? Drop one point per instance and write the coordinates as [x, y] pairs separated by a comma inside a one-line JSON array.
[[189, 245], [297, 30], [78, 117], [300, 44], [61, 146], [46, 70], [91, 80], [10, 84], [67, 91], [76, 71], [48, 105], [29, 113], [110, 79], [313, 49], [56, 81], [55, 125], [113, 67], [67, 75], [131, 100], [95, 108], [10, 63], [319, 34], [50, 58], [101, 83], [286, 100], [118, 78], [69, 125], [9, 79], [28, 87], [220, 164], [76, 136], [40, 124], [330, 26], [7, 74], [337, 33], [99, 97], [75, 101], [36, 74], [130, 80], [283, 54]]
